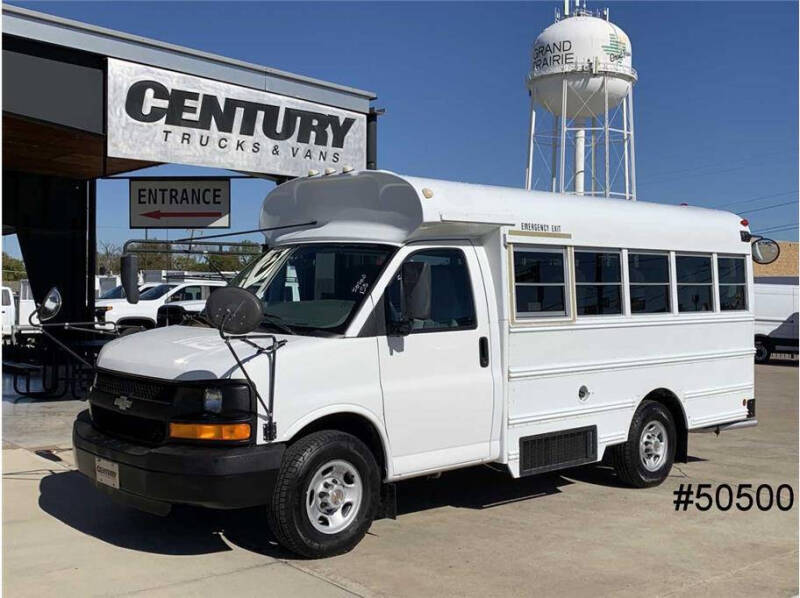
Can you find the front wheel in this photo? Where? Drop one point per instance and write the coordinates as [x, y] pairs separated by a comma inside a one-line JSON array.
[[326, 494], [647, 456]]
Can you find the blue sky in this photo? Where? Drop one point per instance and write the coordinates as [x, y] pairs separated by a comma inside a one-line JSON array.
[[716, 101]]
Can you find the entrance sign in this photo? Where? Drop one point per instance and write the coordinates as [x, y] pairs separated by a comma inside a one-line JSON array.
[[164, 116], [180, 203]]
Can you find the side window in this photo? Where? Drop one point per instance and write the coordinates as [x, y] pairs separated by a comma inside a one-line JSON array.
[[6, 297], [540, 282], [732, 283], [598, 283], [190, 293], [695, 291], [452, 304], [649, 282]]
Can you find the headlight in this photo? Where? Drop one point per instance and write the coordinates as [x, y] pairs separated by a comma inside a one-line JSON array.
[[212, 400]]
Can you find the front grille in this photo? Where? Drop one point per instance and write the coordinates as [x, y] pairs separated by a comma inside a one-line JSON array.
[[130, 427], [133, 388]]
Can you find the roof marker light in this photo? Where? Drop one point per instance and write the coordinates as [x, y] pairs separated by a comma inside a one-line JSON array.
[[313, 172], [347, 169], [329, 170], [745, 222], [427, 193]]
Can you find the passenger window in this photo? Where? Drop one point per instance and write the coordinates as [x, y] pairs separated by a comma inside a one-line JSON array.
[[452, 305], [732, 283], [598, 283], [694, 283], [192, 293], [6, 297], [539, 282], [649, 283]]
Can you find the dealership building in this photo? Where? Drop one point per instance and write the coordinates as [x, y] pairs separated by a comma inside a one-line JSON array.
[[81, 103]]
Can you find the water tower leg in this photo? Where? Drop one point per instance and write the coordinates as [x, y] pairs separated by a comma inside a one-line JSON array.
[[531, 138], [554, 140], [563, 137], [592, 141], [625, 154], [605, 135], [633, 146], [580, 147]]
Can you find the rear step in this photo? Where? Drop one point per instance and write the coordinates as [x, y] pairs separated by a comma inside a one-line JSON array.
[[557, 450]]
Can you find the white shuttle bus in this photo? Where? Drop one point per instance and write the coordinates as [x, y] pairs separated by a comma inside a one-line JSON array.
[[428, 326]]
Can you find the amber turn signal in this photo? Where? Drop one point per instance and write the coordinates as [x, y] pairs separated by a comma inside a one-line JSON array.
[[210, 431]]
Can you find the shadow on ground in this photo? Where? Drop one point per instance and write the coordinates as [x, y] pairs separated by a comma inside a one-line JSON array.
[[73, 500]]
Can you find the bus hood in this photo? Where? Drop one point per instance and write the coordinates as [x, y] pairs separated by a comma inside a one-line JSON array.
[[189, 353]]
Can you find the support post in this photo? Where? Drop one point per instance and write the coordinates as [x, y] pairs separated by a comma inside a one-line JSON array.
[[593, 141], [633, 146], [563, 140], [605, 134], [372, 137], [531, 140], [554, 140], [580, 157], [625, 147]]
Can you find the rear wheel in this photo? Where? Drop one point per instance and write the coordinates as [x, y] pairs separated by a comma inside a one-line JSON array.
[[763, 352], [647, 456], [326, 495]]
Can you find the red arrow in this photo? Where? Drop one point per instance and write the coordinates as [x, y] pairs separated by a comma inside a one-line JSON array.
[[158, 214]]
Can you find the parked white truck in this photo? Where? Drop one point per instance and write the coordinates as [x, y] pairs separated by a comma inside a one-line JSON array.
[[436, 325], [776, 325]]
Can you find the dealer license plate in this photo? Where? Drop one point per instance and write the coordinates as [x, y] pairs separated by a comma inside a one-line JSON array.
[[106, 472]]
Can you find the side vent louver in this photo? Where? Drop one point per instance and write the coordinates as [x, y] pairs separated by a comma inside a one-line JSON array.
[[557, 450]]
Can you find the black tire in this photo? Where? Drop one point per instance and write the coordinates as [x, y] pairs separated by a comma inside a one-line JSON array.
[[763, 352], [287, 514], [626, 458]]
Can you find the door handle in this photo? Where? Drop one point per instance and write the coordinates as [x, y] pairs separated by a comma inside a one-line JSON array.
[[483, 350]]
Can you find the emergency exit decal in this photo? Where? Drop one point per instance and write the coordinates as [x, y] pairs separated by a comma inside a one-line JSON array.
[[163, 116]]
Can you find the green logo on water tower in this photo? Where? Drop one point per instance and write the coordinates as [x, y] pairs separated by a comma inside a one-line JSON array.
[[617, 48]]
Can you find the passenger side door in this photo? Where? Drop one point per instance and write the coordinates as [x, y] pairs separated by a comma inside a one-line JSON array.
[[437, 386]]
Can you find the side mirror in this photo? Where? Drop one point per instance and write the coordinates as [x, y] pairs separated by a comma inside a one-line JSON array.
[[415, 296], [234, 310], [129, 271], [765, 251], [50, 306]]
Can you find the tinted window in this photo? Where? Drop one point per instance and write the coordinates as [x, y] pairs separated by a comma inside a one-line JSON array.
[[649, 283], [156, 292], [695, 291], [313, 289], [732, 283], [190, 293], [539, 287], [598, 283], [6, 297], [452, 305], [116, 293]]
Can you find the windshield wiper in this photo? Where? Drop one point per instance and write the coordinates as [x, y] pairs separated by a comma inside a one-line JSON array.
[[278, 322]]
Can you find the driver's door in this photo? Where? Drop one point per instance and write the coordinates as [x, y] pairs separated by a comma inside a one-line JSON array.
[[437, 389]]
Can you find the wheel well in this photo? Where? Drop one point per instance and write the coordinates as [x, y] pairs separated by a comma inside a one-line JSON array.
[[351, 423], [671, 402]]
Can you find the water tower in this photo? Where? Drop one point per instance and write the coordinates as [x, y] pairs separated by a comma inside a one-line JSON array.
[[581, 88]]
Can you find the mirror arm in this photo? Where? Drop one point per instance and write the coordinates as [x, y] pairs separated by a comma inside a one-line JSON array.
[[271, 352], [91, 366]]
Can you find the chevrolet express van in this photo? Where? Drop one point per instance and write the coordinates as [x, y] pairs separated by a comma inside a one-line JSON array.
[[427, 326]]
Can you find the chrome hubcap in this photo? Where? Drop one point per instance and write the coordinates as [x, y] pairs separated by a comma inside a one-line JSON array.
[[653, 446], [333, 496]]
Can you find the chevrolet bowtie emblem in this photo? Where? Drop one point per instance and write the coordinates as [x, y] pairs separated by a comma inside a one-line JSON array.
[[122, 403]]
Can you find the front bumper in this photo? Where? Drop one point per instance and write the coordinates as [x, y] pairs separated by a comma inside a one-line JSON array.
[[154, 478]]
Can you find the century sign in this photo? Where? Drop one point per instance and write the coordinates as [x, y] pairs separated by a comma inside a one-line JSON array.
[[180, 203], [164, 116]]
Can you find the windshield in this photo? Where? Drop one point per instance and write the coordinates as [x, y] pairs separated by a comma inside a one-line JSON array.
[[116, 293], [156, 292], [313, 287]]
